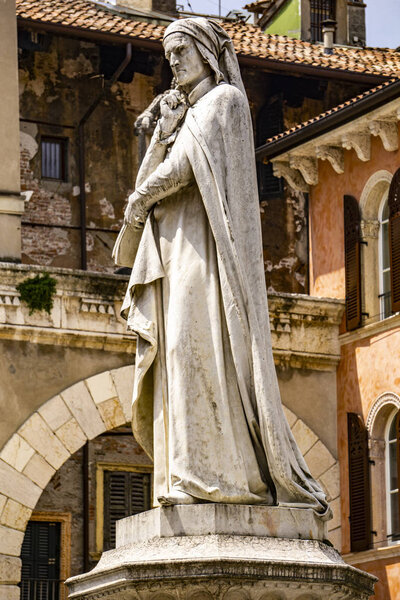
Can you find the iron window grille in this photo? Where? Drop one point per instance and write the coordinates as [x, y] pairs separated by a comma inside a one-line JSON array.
[[54, 158], [320, 10]]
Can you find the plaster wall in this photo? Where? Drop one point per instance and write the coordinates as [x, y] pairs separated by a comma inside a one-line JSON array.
[[287, 21], [388, 573], [30, 374], [11, 204], [327, 277]]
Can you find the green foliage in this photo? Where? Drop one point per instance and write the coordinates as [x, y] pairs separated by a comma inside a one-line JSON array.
[[38, 292]]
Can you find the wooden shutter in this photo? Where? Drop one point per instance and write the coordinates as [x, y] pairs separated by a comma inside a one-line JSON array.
[[394, 239], [352, 262], [125, 493], [40, 555], [269, 123], [360, 525]]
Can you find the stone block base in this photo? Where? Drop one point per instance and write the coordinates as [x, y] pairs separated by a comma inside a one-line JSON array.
[[224, 552]]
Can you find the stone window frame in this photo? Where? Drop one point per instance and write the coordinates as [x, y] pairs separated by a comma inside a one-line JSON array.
[[100, 468], [372, 199], [378, 420]]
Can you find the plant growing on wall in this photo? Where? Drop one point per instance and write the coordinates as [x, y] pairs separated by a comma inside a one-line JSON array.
[[38, 292]]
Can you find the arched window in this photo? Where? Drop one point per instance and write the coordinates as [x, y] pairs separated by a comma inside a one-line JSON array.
[[384, 260], [392, 477]]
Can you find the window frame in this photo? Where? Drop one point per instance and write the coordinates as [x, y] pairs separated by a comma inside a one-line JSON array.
[[63, 142], [65, 520], [382, 293], [388, 491], [100, 468]]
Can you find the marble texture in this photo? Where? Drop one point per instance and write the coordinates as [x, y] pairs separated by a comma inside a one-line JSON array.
[[177, 553]]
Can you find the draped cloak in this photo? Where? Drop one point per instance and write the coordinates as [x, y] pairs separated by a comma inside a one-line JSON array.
[[216, 137]]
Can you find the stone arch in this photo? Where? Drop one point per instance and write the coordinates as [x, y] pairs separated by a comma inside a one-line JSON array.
[[371, 198], [376, 424], [324, 467], [43, 443], [372, 193]]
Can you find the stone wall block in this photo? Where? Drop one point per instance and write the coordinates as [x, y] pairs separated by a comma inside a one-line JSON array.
[[39, 471], [71, 435], [17, 452], [290, 416], [331, 481], [80, 403], [39, 435], [123, 381], [101, 387], [112, 413], [336, 521], [3, 500], [10, 569], [15, 515], [335, 538], [55, 412], [10, 592], [17, 486], [10, 541], [319, 459], [304, 437]]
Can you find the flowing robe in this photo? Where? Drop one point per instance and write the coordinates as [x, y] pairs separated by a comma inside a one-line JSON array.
[[206, 393]]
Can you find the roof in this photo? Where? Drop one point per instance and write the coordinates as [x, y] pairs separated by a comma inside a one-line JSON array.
[[84, 16], [330, 119]]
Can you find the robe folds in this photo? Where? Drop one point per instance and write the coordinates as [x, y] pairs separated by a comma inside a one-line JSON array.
[[206, 394]]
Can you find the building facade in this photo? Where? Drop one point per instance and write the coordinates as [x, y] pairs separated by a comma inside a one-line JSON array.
[[349, 161], [69, 466]]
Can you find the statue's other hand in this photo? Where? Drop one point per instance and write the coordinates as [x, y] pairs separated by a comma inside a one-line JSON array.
[[136, 211], [173, 108]]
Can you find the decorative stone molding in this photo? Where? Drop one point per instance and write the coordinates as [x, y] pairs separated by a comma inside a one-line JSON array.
[[370, 229], [361, 142], [294, 178], [372, 194], [94, 305], [383, 400], [9, 298], [335, 156], [308, 167], [388, 132]]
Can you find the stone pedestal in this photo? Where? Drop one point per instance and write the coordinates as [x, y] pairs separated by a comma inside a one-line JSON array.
[[226, 552]]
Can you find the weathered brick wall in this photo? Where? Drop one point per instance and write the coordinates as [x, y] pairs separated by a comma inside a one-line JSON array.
[[59, 82]]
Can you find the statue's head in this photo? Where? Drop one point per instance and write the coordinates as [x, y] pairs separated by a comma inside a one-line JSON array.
[[203, 46], [187, 64]]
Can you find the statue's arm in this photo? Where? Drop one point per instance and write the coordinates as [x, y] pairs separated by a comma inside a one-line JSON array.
[[171, 175]]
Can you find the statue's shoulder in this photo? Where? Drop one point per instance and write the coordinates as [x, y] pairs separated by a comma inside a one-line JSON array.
[[226, 91]]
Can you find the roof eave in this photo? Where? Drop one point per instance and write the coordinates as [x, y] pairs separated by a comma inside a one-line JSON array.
[[326, 124]]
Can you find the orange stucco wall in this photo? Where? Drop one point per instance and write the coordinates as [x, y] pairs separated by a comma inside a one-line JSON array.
[[326, 215], [369, 366]]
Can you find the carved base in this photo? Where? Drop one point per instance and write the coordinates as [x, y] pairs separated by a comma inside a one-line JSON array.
[[224, 552]]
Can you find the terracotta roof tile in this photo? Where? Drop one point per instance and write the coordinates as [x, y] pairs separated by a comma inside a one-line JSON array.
[[249, 40]]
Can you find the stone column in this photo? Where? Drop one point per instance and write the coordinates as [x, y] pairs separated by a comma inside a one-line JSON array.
[[11, 202]]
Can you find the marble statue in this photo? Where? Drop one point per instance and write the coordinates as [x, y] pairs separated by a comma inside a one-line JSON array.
[[206, 402]]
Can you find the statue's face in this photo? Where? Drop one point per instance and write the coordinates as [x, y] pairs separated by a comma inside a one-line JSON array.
[[186, 61]]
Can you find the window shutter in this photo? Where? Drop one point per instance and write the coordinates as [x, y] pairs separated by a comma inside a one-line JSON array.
[[360, 526], [125, 493], [352, 262], [269, 123], [40, 555], [394, 239]]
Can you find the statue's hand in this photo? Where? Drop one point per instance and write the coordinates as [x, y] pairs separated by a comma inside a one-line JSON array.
[[136, 211], [173, 108]]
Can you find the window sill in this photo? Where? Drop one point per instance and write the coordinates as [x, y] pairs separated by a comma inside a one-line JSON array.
[[370, 330], [358, 558]]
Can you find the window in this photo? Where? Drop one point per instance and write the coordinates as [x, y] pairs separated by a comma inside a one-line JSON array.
[[320, 10], [384, 261], [125, 493], [269, 123], [54, 151], [392, 477], [40, 555]]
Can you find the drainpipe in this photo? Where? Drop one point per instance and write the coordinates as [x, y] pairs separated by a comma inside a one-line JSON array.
[[81, 143], [328, 33]]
